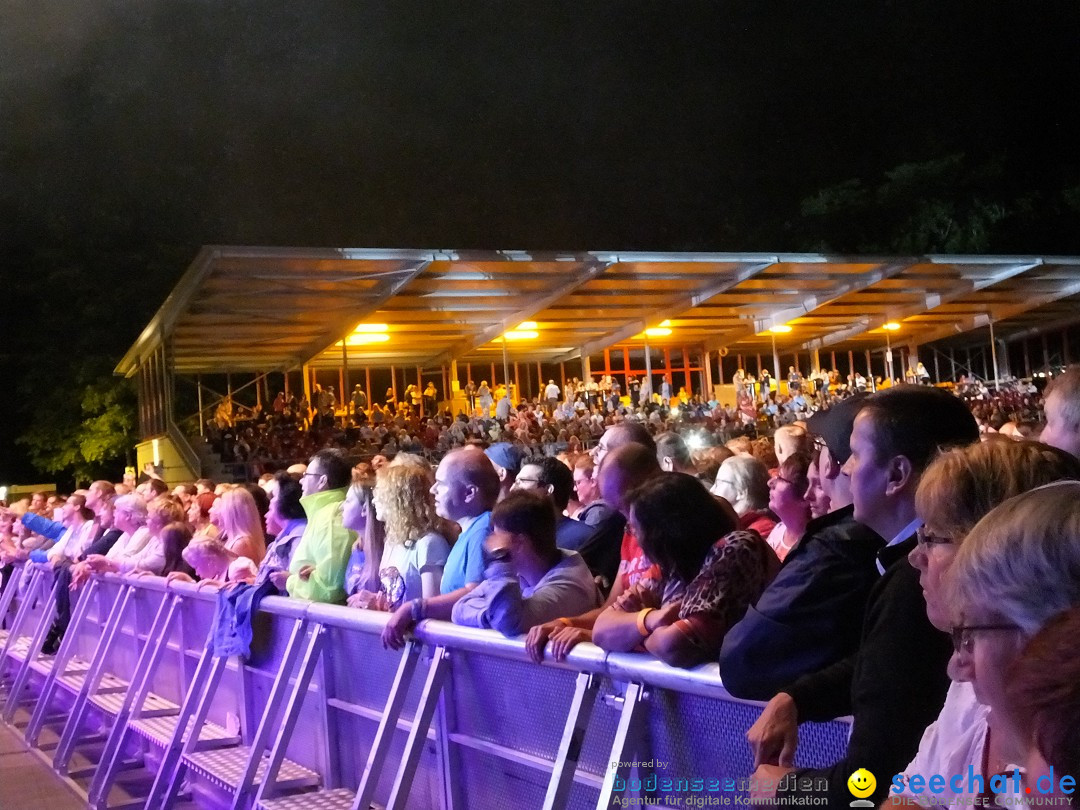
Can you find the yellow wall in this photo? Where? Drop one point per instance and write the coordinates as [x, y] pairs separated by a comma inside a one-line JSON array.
[[170, 462]]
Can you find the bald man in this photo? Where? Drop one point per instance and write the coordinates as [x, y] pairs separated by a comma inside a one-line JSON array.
[[466, 489], [620, 435]]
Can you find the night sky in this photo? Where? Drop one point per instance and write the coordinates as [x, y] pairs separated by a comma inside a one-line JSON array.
[[131, 133]]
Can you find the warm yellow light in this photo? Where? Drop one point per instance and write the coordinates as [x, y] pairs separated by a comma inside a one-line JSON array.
[[521, 334], [526, 326], [892, 326], [780, 329], [366, 338], [371, 328]]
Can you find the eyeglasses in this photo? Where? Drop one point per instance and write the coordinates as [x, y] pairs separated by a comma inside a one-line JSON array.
[[925, 538], [785, 480], [963, 635], [313, 475], [534, 481]]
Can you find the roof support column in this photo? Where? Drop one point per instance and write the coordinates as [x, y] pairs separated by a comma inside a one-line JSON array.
[[706, 360], [815, 361], [1027, 360], [202, 419], [586, 368], [648, 369], [1046, 354], [993, 355], [307, 383], [776, 365], [937, 370]]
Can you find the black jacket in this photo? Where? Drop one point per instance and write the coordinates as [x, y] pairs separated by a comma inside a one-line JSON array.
[[894, 686], [811, 615]]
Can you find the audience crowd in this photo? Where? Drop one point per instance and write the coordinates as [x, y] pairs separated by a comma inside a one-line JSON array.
[[909, 557]]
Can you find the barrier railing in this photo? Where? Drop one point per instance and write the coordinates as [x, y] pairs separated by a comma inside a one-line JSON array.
[[321, 715]]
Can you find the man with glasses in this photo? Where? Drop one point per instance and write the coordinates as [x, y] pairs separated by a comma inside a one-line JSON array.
[[810, 616], [553, 477], [895, 684], [317, 567]]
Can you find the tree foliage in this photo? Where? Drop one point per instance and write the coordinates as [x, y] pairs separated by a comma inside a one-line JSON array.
[[945, 205], [86, 431]]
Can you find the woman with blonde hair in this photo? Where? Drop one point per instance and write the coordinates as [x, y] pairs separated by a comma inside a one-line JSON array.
[[414, 553], [237, 517], [957, 491]]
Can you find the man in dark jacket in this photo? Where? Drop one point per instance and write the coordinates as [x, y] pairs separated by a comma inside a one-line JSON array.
[[895, 684], [811, 615]]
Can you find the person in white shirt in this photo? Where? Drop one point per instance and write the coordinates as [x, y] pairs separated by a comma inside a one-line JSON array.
[[141, 549]]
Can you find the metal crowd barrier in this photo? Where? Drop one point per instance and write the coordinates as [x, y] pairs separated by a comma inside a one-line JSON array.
[[136, 709]]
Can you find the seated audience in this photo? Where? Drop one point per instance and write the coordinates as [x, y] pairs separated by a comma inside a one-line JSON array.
[[530, 580], [709, 572]]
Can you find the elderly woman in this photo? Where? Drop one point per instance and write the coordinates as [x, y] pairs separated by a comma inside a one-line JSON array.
[[710, 574], [957, 492], [1043, 692], [788, 491], [743, 482]]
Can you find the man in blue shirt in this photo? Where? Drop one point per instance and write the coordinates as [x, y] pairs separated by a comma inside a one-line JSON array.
[[466, 489]]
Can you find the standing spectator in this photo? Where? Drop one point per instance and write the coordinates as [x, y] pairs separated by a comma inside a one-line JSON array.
[[317, 567], [431, 397], [551, 397], [414, 552], [552, 476], [470, 397], [1062, 405], [530, 579], [895, 684], [237, 518], [484, 395], [787, 500], [359, 402], [466, 489], [743, 482], [710, 574]]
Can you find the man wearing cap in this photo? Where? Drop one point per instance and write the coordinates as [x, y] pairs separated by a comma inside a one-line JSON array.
[[811, 615], [506, 459], [894, 684]]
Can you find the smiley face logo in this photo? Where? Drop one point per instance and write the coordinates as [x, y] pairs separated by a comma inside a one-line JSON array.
[[861, 783]]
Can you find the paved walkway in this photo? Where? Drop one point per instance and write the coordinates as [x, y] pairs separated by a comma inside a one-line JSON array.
[[26, 782]]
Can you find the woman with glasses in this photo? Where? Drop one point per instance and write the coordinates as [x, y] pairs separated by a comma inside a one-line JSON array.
[[957, 491], [788, 501]]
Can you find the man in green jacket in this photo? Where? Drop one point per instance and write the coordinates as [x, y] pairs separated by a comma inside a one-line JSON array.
[[317, 568]]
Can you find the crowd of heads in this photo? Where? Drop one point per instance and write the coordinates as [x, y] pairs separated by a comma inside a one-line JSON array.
[[679, 527]]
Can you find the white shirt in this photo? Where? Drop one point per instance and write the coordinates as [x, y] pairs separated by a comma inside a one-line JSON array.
[[903, 535], [949, 746]]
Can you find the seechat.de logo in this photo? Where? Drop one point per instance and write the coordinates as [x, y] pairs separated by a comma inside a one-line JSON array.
[[861, 784]]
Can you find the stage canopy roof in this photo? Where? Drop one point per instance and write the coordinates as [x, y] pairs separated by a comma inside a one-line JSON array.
[[266, 309]]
